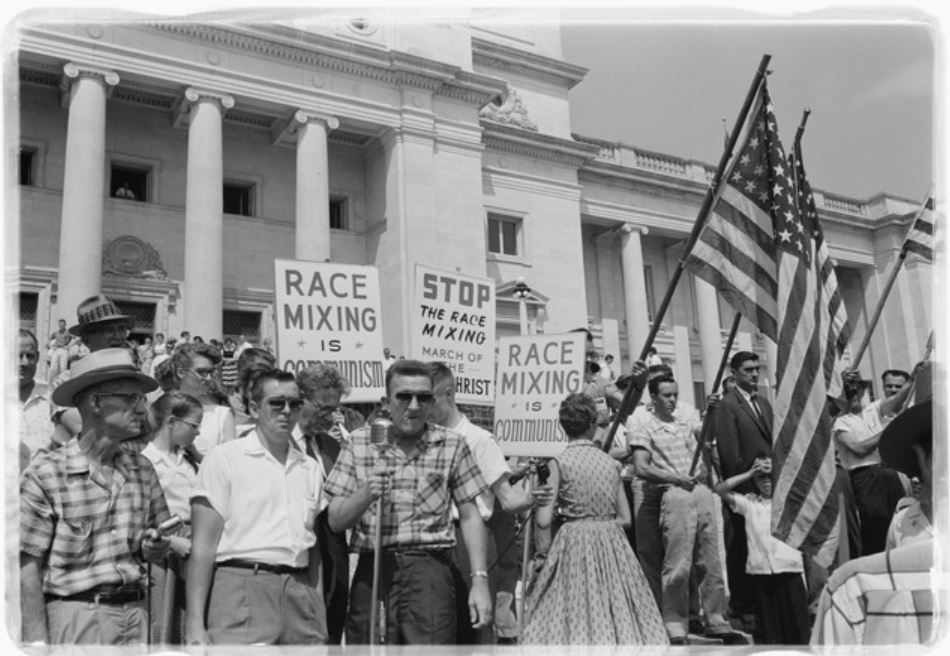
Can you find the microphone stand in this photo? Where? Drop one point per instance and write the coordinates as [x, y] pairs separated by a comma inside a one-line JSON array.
[[525, 553], [379, 438]]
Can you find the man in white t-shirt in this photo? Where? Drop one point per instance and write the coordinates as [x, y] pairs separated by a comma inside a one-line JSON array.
[[491, 461]]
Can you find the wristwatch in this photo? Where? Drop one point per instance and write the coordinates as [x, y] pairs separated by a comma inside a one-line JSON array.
[[480, 572]]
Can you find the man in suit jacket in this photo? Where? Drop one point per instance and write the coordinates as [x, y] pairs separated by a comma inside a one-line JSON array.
[[320, 432], [743, 421]]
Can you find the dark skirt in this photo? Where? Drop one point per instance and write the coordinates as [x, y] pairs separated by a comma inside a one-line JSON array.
[[781, 609]]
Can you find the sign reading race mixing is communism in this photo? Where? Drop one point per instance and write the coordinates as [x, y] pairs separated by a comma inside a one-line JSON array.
[[535, 373], [329, 313], [453, 321]]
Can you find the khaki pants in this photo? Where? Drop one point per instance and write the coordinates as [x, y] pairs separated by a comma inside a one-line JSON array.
[[91, 623]]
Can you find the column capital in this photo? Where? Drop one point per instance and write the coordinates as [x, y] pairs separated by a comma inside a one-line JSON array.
[[303, 116], [75, 70], [630, 228], [194, 95]]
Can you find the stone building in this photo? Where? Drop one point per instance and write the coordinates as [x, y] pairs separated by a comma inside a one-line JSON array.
[[167, 163]]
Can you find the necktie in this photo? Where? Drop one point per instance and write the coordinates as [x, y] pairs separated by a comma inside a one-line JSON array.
[[755, 405]]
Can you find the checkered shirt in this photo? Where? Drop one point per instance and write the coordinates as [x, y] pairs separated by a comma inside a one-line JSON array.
[[81, 527], [671, 444], [416, 508]]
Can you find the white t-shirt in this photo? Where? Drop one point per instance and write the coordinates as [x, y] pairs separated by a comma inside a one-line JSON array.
[[177, 478], [269, 508], [767, 554], [214, 428]]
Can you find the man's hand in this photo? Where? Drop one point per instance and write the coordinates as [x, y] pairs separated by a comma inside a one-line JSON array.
[[712, 401], [479, 603], [639, 372], [688, 483], [541, 495], [180, 546], [154, 546], [378, 485]]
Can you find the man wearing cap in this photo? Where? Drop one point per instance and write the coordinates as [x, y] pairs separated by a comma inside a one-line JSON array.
[[255, 565], [88, 515], [415, 475], [877, 488]]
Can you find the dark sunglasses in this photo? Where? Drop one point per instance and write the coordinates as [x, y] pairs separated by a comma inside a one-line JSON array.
[[278, 403], [423, 398]]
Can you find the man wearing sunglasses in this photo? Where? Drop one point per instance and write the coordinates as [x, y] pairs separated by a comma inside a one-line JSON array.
[[89, 513], [414, 475], [254, 564]]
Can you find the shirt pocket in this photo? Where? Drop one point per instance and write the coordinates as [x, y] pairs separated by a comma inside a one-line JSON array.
[[73, 542], [432, 494], [309, 511]]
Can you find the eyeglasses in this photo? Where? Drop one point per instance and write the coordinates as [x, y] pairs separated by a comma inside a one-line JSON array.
[[134, 398], [422, 398], [278, 403], [196, 427], [202, 373]]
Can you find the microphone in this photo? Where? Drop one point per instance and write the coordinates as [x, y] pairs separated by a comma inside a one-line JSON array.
[[380, 431]]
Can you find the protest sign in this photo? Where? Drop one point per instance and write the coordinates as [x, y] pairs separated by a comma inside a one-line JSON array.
[[329, 313], [535, 373], [453, 321]]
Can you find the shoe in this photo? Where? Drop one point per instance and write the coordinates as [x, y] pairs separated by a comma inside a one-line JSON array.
[[679, 640], [728, 637], [696, 626]]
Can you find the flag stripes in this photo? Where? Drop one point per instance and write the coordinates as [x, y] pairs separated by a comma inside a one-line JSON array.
[[920, 238]]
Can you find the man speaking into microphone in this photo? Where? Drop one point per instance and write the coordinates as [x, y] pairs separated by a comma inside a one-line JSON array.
[[413, 477]]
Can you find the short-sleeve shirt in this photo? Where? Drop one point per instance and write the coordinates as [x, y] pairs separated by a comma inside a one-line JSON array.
[[84, 528], [766, 553], [909, 525], [416, 509], [852, 430], [177, 477], [671, 444], [491, 461], [36, 424], [269, 509]]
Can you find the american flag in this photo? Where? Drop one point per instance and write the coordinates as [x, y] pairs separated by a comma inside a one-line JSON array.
[[920, 237], [770, 262]]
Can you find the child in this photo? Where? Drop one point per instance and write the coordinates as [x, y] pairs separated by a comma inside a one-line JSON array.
[[775, 569]]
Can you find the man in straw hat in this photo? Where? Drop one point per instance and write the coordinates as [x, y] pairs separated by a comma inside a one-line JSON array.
[[88, 514], [888, 597]]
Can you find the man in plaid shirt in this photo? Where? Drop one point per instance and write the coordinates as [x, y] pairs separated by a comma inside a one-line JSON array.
[[413, 476], [663, 448], [88, 514]]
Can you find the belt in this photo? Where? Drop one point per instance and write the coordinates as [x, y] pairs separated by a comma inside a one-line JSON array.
[[442, 555], [104, 594], [262, 567]]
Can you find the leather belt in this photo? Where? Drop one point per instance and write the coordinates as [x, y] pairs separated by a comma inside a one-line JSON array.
[[104, 594], [262, 567]]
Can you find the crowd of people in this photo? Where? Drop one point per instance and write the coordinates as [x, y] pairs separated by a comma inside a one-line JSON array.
[[183, 492]]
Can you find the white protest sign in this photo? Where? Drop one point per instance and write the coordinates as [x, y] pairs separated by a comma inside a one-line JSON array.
[[329, 313], [453, 321], [535, 373]]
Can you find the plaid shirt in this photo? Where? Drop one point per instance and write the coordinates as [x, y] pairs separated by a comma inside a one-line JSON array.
[[671, 444], [82, 528], [416, 509]]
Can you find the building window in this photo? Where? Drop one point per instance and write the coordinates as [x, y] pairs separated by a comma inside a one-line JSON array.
[[142, 321], [27, 167], [503, 234], [338, 218], [238, 198], [235, 323], [128, 183], [29, 303]]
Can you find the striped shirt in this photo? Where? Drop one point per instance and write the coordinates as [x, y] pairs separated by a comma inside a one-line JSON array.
[[416, 509], [80, 525], [671, 444]]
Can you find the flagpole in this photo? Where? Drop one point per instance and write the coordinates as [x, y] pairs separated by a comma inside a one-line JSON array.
[[633, 392], [704, 434], [892, 276]]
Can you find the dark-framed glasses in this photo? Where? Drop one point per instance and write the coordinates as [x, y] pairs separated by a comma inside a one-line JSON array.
[[203, 372], [422, 398], [278, 403], [134, 398]]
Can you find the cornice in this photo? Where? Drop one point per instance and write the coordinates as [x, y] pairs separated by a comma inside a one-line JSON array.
[[512, 60], [321, 52], [518, 141]]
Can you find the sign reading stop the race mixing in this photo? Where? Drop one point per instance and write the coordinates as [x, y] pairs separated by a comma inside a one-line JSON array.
[[535, 373], [329, 313], [453, 321]]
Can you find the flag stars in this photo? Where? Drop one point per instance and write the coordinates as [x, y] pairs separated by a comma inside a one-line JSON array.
[[785, 235]]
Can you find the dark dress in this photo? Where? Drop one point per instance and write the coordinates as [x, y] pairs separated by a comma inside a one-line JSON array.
[[591, 589]]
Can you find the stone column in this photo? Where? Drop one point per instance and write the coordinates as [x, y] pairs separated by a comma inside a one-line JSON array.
[[710, 332], [634, 288], [204, 210], [84, 189], [312, 238]]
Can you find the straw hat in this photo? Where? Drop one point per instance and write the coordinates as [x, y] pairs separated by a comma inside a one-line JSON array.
[[94, 311], [99, 367]]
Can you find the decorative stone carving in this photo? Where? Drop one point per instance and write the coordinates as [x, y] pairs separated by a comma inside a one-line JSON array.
[[512, 112], [133, 258]]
